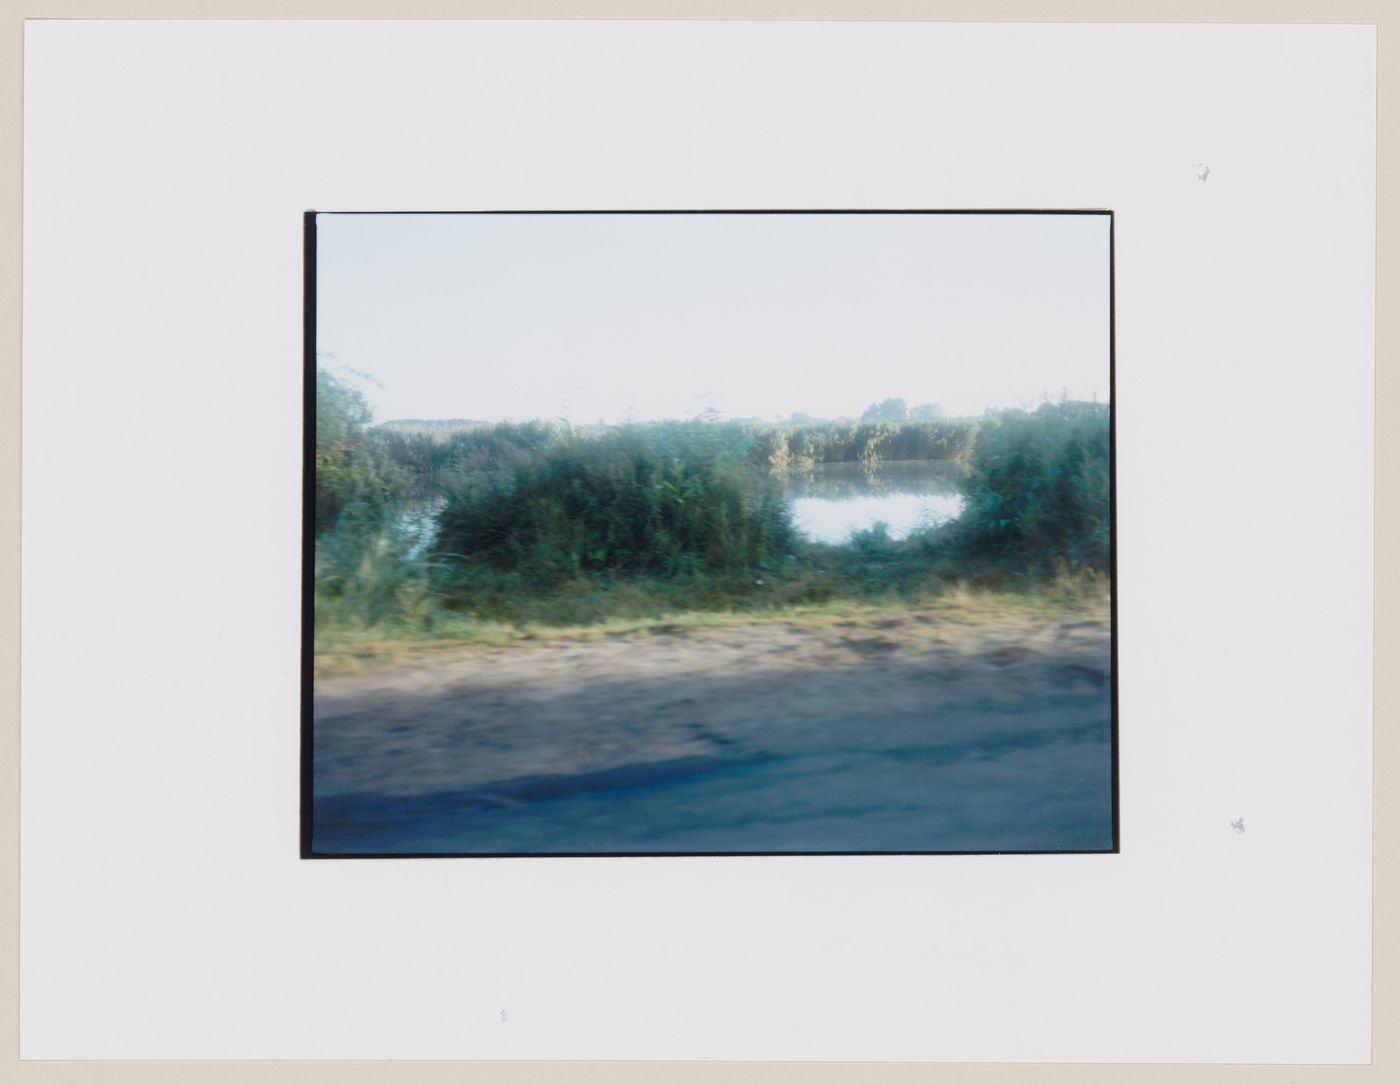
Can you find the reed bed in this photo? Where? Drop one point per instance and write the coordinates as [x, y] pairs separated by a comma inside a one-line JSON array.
[[543, 523]]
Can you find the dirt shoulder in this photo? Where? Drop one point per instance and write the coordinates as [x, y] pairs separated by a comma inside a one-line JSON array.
[[460, 719]]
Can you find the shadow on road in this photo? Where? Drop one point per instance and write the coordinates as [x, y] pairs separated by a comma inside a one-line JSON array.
[[998, 741]]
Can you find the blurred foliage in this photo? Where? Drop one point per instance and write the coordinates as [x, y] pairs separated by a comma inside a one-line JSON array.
[[546, 523], [890, 410], [369, 577], [669, 500], [1037, 492], [351, 467]]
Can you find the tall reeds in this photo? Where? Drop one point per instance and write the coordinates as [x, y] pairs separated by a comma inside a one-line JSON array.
[[669, 502], [556, 523], [1037, 492]]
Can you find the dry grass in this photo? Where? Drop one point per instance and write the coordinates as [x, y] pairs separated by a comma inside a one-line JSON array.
[[1083, 597]]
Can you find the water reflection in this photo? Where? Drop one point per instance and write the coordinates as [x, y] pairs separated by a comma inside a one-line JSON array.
[[831, 501], [418, 526]]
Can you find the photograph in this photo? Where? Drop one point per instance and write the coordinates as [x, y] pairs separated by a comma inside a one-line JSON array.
[[708, 532]]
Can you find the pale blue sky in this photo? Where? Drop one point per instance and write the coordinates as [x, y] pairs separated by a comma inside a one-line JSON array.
[[608, 317]]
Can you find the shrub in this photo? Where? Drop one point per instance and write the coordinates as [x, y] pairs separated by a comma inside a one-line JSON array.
[[668, 501], [350, 468], [367, 576], [1038, 491]]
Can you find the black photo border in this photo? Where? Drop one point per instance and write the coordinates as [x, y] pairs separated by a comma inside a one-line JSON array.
[[308, 537]]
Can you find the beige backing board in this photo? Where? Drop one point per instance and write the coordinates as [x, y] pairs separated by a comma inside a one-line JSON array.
[[164, 925]]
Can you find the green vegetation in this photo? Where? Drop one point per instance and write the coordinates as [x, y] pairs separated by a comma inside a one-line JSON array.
[[1037, 493], [540, 524], [624, 504], [351, 469], [437, 455], [860, 442]]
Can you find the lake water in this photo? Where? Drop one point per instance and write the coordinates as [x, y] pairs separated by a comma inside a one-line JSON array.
[[418, 527], [835, 499]]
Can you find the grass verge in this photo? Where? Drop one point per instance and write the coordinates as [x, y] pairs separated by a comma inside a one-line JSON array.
[[1083, 597]]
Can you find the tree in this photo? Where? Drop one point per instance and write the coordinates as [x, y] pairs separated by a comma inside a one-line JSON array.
[[341, 415], [348, 467], [889, 410]]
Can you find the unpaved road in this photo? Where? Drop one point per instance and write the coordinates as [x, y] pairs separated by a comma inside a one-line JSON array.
[[907, 732]]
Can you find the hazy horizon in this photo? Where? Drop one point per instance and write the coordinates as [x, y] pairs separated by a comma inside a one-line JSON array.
[[364, 383], [615, 318]]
